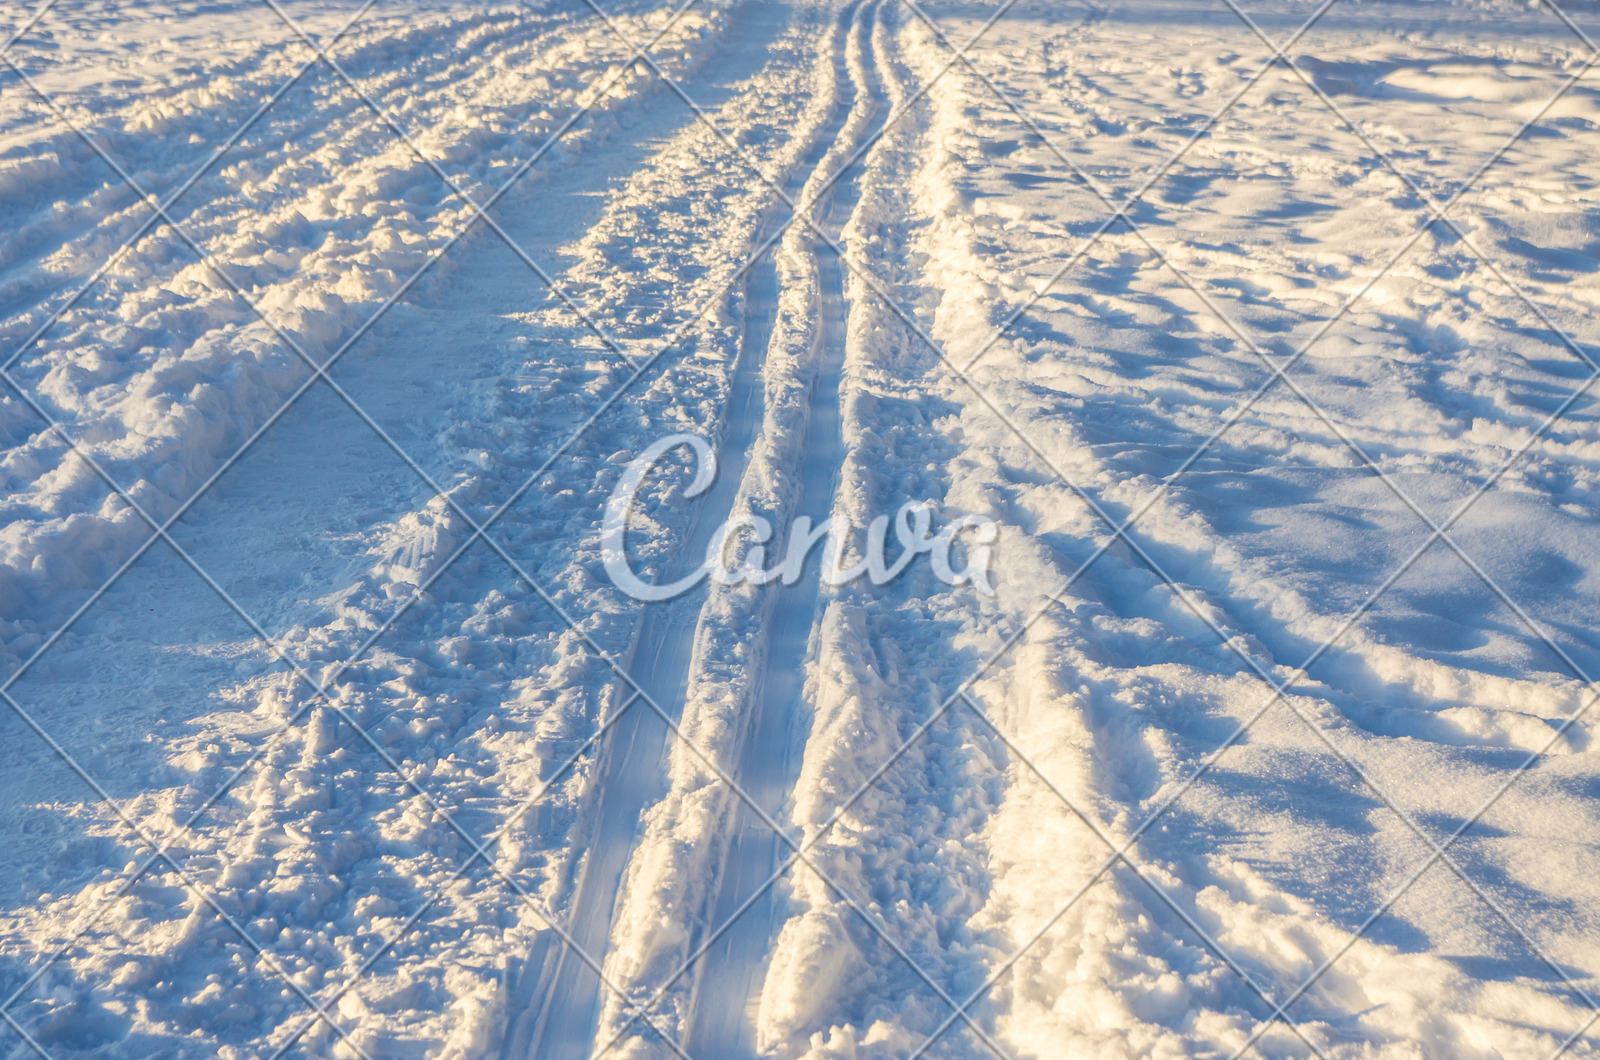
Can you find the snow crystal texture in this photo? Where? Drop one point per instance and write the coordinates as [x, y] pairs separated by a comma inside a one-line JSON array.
[[1266, 332]]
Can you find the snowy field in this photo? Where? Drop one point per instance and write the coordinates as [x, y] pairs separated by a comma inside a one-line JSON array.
[[1258, 335]]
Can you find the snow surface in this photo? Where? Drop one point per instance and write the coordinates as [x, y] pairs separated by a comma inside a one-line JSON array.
[[331, 737]]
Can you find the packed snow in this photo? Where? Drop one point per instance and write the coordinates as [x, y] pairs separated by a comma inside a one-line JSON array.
[[1258, 334]]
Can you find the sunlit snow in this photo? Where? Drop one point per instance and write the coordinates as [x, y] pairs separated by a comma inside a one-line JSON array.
[[1259, 390]]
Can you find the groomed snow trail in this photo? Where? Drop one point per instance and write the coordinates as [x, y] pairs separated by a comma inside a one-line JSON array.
[[746, 701], [631, 777], [727, 988], [534, 817]]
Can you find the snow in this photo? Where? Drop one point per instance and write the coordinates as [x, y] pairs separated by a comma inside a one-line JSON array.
[[1274, 734]]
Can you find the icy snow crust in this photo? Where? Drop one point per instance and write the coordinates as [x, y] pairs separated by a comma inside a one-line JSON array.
[[952, 774]]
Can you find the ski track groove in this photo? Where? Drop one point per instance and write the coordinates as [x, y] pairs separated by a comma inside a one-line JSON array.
[[818, 400], [755, 710]]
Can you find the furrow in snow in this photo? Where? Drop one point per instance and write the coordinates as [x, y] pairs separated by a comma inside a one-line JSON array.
[[703, 850], [882, 659]]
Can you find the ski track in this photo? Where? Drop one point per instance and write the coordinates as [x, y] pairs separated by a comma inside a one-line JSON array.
[[745, 686], [819, 399]]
